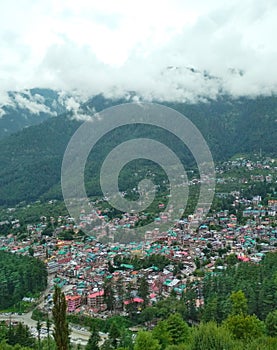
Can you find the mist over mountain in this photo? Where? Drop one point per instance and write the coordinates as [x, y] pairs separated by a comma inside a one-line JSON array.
[[31, 158], [21, 109]]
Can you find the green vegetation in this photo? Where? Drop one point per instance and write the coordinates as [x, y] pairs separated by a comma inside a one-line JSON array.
[[19, 307], [170, 331], [99, 323], [19, 337], [17, 117], [18, 334], [145, 340], [31, 213], [39, 315], [61, 330], [257, 281], [157, 260], [31, 159], [238, 332], [93, 340], [232, 317], [20, 276]]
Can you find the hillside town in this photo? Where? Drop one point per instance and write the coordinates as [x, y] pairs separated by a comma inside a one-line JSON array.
[[138, 178], [83, 265]]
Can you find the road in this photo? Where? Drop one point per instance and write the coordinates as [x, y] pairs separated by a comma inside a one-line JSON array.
[[76, 335]]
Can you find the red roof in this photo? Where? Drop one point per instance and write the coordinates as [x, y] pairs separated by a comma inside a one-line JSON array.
[[96, 294], [138, 300], [72, 297], [135, 300]]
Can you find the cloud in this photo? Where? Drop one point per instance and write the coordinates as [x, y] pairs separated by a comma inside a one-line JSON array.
[[32, 103], [147, 47], [2, 112], [73, 104], [24, 100]]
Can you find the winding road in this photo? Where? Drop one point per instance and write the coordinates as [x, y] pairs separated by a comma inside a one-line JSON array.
[[76, 335]]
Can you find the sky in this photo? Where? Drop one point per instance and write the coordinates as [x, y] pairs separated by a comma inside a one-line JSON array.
[[168, 50]]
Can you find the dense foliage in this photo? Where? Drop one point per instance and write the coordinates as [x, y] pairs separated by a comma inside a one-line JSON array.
[[18, 334], [18, 116], [20, 276], [61, 330], [157, 260], [31, 159], [239, 313], [19, 337], [257, 281]]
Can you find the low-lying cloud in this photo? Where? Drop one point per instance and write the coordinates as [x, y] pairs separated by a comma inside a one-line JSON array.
[[169, 50]]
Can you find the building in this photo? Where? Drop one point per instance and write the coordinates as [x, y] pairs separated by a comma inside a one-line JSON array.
[[96, 300], [73, 302]]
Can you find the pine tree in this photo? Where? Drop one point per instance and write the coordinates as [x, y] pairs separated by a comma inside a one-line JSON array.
[[48, 325], [271, 323], [109, 294], [21, 335], [161, 333], [242, 325], [94, 339], [61, 331], [114, 334], [239, 303], [143, 290], [39, 331], [120, 292], [130, 307]]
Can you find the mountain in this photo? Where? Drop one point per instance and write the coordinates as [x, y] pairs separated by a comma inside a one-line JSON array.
[[22, 109], [231, 126], [31, 158]]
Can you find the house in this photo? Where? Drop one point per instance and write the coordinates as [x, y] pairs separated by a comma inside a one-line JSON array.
[[73, 302], [136, 302], [96, 300]]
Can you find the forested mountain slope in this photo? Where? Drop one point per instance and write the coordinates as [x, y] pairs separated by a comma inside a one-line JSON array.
[[31, 159]]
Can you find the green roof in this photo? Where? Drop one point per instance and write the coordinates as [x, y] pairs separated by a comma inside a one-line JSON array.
[[127, 266], [62, 252], [60, 285]]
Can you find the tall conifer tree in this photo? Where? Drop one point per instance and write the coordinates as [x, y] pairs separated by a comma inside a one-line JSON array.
[[61, 331]]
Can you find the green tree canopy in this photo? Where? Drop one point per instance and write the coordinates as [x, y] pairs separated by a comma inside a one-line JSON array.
[[271, 323], [61, 331], [94, 339], [208, 336], [245, 327], [145, 340]]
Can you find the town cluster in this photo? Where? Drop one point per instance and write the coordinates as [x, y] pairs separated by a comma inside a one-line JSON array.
[[83, 265]]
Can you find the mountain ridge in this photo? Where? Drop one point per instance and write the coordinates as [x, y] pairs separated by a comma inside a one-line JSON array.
[[24, 108], [31, 158]]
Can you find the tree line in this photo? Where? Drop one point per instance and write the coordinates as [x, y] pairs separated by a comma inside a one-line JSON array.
[[20, 276]]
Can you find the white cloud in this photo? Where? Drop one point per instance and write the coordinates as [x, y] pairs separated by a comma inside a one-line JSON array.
[[117, 46], [24, 100], [2, 112], [32, 103]]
